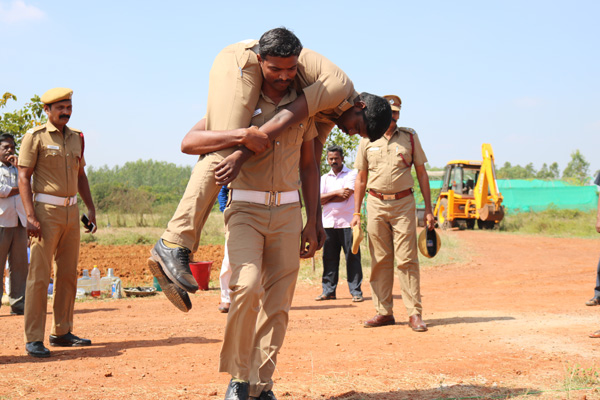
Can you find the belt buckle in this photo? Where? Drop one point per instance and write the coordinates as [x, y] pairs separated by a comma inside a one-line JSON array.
[[388, 196], [66, 202], [273, 198]]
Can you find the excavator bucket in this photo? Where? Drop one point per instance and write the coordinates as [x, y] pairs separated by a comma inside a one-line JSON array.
[[489, 213]]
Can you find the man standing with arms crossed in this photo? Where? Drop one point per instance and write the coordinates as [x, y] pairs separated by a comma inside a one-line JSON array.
[[337, 199], [53, 154], [13, 235], [384, 167]]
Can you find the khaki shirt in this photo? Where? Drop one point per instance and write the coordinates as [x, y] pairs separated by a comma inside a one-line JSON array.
[[55, 157], [384, 161], [275, 169], [328, 90]]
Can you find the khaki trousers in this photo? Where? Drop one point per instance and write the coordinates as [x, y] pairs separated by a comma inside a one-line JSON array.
[[13, 245], [233, 92], [59, 242], [392, 228], [264, 245]]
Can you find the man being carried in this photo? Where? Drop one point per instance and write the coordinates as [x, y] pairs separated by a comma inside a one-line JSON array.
[[326, 94]]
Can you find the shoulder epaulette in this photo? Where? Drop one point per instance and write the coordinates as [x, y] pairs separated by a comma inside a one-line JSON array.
[[408, 130], [77, 131], [36, 129]]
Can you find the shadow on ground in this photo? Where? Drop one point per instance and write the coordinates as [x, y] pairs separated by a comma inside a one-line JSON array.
[[449, 393], [102, 350]]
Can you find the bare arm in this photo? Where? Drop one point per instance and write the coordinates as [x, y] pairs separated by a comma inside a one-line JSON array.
[[336, 196], [424, 185], [310, 185], [360, 185], [294, 113], [33, 225], [200, 141], [86, 196]]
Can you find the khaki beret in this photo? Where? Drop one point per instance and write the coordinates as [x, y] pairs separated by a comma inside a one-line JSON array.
[[429, 242], [394, 101], [56, 94]]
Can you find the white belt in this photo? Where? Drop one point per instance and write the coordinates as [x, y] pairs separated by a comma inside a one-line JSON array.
[[266, 198], [55, 200]]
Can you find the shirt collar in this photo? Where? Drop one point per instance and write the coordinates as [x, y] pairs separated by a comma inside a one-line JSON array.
[[287, 99], [344, 170], [51, 128]]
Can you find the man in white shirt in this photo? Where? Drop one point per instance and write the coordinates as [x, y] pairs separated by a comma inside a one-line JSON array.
[[13, 235], [337, 199]]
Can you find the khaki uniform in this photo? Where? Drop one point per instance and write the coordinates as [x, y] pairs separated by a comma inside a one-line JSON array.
[[56, 159], [391, 224], [233, 91], [263, 245]]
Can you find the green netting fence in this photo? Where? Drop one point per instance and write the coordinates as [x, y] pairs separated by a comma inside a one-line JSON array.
[[538, 195]]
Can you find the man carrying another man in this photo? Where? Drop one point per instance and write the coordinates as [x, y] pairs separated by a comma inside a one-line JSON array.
[[337, 199], [384, 167], [326, 94]]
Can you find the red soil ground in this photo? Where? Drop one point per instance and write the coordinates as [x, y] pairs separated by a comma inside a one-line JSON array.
[[509, 323]]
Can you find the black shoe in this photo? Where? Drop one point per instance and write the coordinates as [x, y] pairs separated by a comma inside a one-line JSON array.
[[69, 340], [268, 395], [176, 265], [237, 391], [178, 297], [16, 312], [37, 349]]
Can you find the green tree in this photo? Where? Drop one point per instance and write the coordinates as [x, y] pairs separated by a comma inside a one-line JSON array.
[[348, 143], [517, 172], [577, 170], [20, 121], [549, 172]]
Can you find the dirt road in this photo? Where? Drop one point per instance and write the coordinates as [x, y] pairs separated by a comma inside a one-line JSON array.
[[509, 321]]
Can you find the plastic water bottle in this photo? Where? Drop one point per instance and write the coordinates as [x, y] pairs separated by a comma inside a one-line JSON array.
[[106, 281], [95, 282], [85, 282]]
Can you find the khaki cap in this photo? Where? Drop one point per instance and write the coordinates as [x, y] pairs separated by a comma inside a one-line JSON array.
[[429, 242], [357, 237], [394, 101], [56, 94]]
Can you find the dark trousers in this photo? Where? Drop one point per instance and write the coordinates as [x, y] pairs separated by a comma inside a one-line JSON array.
[[597, 290], [13, 245], [338, 239]]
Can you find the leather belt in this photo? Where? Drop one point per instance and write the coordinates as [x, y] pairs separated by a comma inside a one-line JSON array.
[[266, 198], [55, 200], [393, 196]]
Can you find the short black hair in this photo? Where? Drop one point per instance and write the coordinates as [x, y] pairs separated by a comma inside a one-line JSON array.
[[279, 42], [4, 136], [334, 147], [377, 114]]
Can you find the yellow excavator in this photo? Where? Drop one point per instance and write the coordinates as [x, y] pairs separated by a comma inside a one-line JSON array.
[[470, 194]]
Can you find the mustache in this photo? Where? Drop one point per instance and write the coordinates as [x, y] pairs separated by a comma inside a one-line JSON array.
[[64, 116]]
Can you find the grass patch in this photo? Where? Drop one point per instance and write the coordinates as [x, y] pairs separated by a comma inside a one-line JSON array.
[[453, 251], [551, 222], [577, 377]]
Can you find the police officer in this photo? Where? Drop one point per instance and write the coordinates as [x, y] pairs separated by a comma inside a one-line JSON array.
[[384, 167], [53, 154]]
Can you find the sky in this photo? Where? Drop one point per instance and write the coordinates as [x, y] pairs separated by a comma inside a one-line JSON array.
[[521, 75]]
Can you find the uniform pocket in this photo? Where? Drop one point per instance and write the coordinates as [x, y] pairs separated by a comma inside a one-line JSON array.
[[296, 135], [52, 158]]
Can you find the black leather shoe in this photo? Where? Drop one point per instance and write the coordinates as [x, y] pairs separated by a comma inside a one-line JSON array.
[[37, 349], [178, 297], [268, 395], [69, 340], [237, 391], [176, 265], [16, 312]]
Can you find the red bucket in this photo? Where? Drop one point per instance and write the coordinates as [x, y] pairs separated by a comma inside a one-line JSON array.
[[201, 272]]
